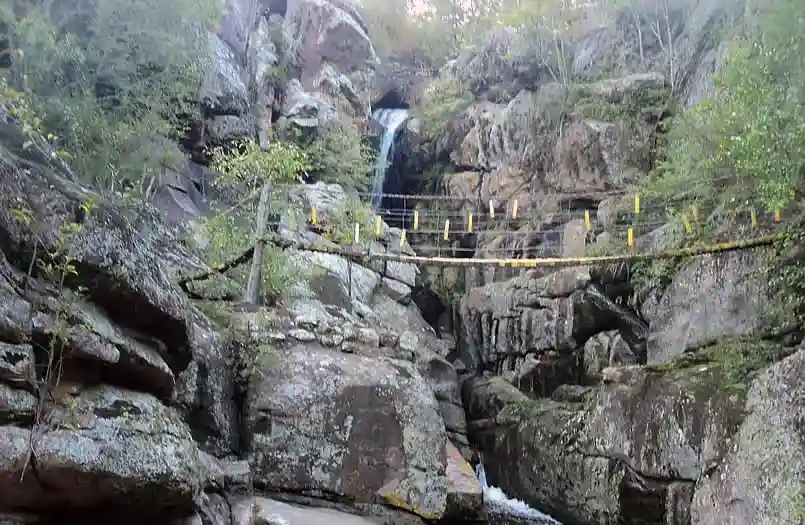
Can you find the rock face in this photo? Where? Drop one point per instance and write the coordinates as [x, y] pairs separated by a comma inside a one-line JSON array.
[[761, 477], [118, 395], [328, 422], [639, 448], [712, 298]]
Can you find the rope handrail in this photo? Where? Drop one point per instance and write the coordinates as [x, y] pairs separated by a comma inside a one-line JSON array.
[[359, 254]]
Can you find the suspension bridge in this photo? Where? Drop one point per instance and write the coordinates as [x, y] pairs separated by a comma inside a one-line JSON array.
[[467, 231], [440, 230]]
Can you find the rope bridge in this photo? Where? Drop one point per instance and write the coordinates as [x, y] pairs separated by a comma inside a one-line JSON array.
[[427, 230], [426, 227]]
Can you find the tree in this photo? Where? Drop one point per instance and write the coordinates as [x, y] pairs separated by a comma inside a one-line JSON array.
[[258, 170], [112, 79], [746, 145], [545, 22]]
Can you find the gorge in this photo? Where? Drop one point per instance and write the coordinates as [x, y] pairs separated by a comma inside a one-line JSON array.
[[148, 187]]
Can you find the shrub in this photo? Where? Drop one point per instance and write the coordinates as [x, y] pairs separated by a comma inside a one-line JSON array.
[[442, 102], [341, 223], [249, 168], [745, 146], [246, 164], [341, 154], [110, 79]]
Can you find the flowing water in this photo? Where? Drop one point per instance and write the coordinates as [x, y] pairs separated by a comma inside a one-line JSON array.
[[502, 509], [391, 120]]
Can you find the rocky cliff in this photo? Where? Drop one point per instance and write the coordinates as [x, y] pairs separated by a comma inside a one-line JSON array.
[[122, 393], [596, 409]]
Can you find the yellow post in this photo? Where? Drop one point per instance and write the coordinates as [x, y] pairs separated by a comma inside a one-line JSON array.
[[416, 220], [378, 226], [630, 238], [637, 203], [402, 240], [446, 228], [753, 215], [492, 208], [777, 215], [313, 215], [514, 209], [587, 224], [469, 223], [686, 222], [357, 233]]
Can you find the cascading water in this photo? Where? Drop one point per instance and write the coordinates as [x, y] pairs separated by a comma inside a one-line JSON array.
[[391, 120], [498, 503]]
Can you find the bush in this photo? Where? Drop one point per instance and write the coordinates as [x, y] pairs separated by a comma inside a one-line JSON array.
[[442, 102], [231, 234], [246, 164], [746, 145], [110, 79], [341, 155], [340, 227], [248, 168]]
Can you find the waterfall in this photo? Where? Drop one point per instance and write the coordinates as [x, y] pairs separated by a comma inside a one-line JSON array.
[[391, 120], [496, 499]]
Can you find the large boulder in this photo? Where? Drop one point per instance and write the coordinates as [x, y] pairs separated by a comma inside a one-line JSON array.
[[325, 422], [761, 477], [104, 447], [713, 297], [630, 451], [322, 31]]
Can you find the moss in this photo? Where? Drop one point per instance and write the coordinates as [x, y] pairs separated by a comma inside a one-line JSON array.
[[685, 362], [635, 104], [737, 359], [785, 275], [219, 312], [740, 357]]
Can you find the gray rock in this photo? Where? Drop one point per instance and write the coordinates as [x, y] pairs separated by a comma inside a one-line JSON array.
[[111, 448], [224, 90], [465, 498], [225, 128], [305, 110], [302, 335], [17, 365], [714, 297], [396, 290], [246, 511], [760, 479], [596, 449], [324, 31], [326, 409]]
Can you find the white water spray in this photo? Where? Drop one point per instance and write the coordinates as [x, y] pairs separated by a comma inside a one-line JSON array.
[[494, 497], [391, 120]]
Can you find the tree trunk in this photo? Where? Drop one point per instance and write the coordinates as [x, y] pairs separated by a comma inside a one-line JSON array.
[[252, 294]]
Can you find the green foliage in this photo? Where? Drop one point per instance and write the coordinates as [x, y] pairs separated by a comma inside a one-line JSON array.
[[246, 163], [740, 357], [247, 167], [341, 155], [443, 100], [785, 274], [340, 226], [746, 145], [429, 34], [620, 104], [110, 79], [228, 235]]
